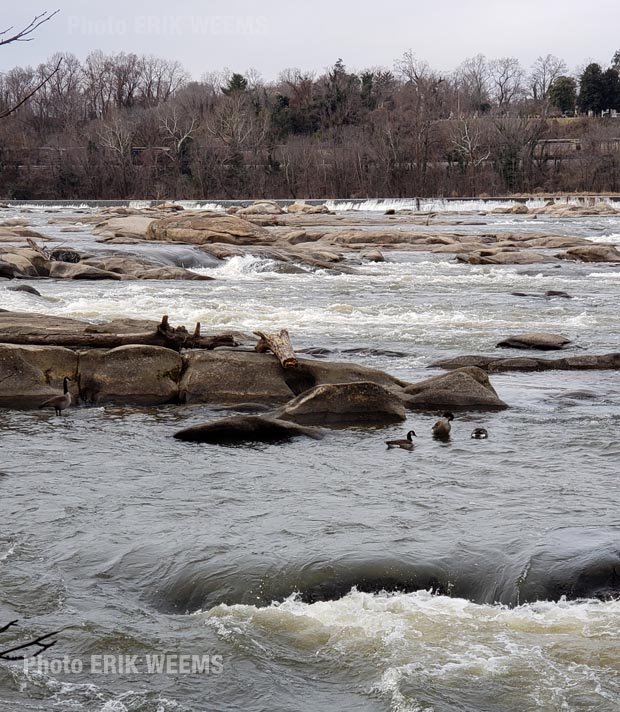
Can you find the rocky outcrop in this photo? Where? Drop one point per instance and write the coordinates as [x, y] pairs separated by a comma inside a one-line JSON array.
[[250, 428], [29, 375], [344, 404], [205, 228], [141, 375], [535, 340], [465, 388], [240, 376], [21, 262]]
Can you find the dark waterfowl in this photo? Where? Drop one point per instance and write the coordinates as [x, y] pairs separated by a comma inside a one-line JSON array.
[[59, 403], [480, 434], [441, 429], [404, 444]]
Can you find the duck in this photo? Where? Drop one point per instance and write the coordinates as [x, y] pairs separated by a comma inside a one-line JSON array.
[[404, 444], [441, 429], [480, 433], [59, 403]]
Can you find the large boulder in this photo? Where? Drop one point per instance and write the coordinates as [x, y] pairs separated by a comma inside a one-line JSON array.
[[535, 340], [592, 253], [205, 228], [248, 428], [31, 374], [461, 389], [233, 377], [344, 404], [140, 375]]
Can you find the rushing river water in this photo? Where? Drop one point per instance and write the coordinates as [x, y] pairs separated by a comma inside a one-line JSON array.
[[331, 575]]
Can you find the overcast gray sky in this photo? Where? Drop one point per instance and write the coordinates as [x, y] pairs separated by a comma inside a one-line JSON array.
[[271, 35]]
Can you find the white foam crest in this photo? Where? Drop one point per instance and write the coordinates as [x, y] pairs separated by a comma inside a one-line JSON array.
[[613, 239], [8, 553], [198, 205], [433, 204], [240, 267], [440, 642]]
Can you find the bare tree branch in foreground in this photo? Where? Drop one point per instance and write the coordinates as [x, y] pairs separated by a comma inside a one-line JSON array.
[[8, 112], [23, 35], [40, 644]]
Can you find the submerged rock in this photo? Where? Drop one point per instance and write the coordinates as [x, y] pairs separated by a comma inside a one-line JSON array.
[[344, 404], [25, 288], [248, 428], [467, 387]]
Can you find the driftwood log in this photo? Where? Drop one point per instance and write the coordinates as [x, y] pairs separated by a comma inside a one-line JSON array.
[[165, 335], [280, 345]]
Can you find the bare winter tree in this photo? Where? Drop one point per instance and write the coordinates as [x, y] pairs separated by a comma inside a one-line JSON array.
[[545, 71], [507, 78], [472, 78], [470, 148], [11, 35]]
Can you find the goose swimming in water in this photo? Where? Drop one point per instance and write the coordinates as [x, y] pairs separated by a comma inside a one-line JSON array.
[[404, 444], [441, 429], [480, 434], [59, 403]]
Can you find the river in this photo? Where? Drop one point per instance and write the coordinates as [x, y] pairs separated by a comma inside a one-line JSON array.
[[329, 575]]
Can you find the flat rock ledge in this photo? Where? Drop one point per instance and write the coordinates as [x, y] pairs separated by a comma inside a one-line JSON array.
[[493, 364]]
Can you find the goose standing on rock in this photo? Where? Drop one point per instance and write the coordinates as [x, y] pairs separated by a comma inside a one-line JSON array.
[[404, 444], [480, 434], [59, 403], [441, 429]]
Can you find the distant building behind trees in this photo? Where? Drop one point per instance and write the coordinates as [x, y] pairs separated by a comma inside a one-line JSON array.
[[129, 126]]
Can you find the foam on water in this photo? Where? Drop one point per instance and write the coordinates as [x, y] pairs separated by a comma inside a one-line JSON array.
[[419, 647]]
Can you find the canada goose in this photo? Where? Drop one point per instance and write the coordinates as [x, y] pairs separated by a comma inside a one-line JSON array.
[[480, 433], [441, 429], [59, 403], [404, 444]]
